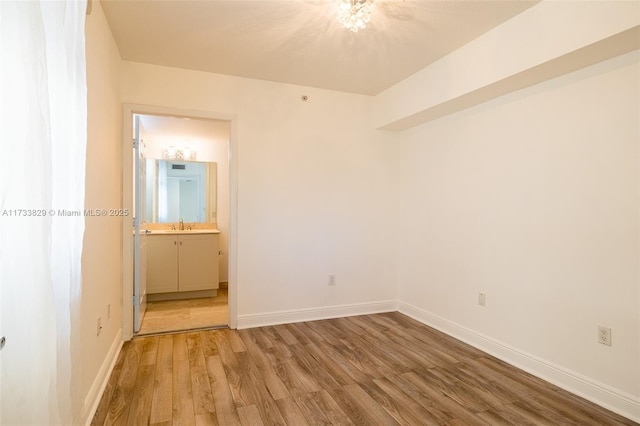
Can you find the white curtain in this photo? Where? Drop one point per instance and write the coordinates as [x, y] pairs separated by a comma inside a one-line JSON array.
[[42, 174]]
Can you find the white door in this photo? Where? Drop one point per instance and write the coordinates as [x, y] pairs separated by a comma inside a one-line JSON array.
[[140, 237]]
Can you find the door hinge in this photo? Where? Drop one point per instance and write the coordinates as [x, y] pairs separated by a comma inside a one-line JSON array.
[[136, 300], [134, 143]]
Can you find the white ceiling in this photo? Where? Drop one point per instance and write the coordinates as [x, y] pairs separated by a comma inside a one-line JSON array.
[[300, 41]]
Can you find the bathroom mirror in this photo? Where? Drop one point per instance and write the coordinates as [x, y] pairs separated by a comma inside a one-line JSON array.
[[180, 190]]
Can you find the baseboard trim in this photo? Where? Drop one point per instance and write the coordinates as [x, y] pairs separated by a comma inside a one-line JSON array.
[[102, 378], [313, 314], [159, 297], [619, 402]]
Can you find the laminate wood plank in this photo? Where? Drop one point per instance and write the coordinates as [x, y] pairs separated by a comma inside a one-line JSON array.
[[373, 361], [262, 337], [319, 408], [291, 413], [290, 374], [362, 353], [460, 350], [221, 393], [276, 388], [149, 351], [140, 404], [161, 403], [298, 334], [124, 390], [200, 387], [394, 408], [494, 393], [361, 408], [519, 376], [535, 415], [103, 407], [311, 368], [256, 385], [438, 378], [527, 389], [386, 361], [182, 396], [250, 416], [358, 364], [206, 419], [504, 417], [209, 346], [346, 359], [457, 403], [310, 330], [285, 334], [340, 367], [566, 400], [306, 380], [236, 342], [411, 412], [278, 344], [407, 359], [239, 390], [570, 408], [437, 413], [414, 348]]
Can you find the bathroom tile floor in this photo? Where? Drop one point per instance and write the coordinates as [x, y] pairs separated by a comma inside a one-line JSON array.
[[186, 314]]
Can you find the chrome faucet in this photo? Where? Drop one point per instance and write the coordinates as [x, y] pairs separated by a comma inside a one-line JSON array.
[[181, 225]]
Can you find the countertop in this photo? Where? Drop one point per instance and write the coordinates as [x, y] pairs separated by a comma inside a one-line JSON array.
[[180, 232]]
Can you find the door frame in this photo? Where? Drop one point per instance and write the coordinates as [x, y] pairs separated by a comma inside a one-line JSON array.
[[127, 203]]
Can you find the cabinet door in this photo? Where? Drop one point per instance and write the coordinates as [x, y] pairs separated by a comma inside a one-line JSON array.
[[198, 262], [162, 263]]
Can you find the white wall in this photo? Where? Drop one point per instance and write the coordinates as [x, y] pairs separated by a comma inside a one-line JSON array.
[[532, 198], [316, 189], [101, 257], [217, 151]]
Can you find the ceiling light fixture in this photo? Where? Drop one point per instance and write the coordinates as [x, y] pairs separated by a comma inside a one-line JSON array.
[[354, 15], [173, 153]]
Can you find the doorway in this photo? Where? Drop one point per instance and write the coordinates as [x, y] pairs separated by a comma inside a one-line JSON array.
[[179, 144]]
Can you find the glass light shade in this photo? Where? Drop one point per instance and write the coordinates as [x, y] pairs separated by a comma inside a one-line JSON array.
[[172, 153], [354, 15]]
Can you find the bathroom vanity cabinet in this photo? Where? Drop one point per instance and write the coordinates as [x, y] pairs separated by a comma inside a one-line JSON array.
[[182, 262]]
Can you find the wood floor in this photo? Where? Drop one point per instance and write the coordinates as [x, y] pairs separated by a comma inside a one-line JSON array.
[[186, 314], [383, 369]]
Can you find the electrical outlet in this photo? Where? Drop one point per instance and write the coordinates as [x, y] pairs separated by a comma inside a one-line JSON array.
[[108, 310], [482, 299], [99, 326], [604, 335], [332, 279]]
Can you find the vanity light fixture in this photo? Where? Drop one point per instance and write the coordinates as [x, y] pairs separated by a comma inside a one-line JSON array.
[[173, 153], [354, 15]]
